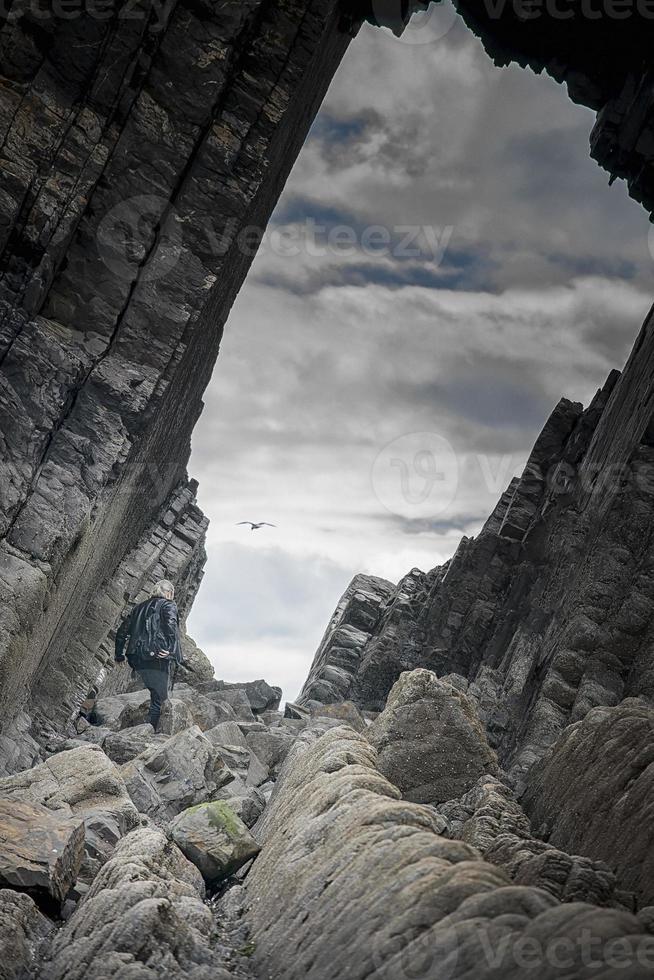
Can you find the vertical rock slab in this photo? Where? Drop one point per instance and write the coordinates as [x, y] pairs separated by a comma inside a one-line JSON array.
[[594, 793], [144, 158]]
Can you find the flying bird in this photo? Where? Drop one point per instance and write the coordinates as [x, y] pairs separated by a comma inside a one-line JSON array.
[[255, 527]]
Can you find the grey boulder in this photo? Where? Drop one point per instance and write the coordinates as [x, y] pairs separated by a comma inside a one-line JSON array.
[[167, 778], [430, 742], [23, 930], [215, 839], [81, 783], [41, 851], [144, 919]]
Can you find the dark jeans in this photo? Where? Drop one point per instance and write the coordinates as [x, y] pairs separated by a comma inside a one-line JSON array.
[[159, 682]]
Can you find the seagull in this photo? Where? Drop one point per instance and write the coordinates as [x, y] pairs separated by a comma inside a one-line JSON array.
[[255, 527]]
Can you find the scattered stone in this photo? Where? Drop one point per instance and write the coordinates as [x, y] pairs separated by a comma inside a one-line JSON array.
[[430, 741], [215, 839]]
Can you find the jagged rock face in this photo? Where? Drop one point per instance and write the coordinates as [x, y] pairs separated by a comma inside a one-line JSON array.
[[548, 612], [339, 654], [358, 883], [430, 742], [595, 792], [136, 151]]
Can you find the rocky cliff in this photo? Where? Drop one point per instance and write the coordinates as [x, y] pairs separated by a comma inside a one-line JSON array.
[[142, 155], [547, 614]]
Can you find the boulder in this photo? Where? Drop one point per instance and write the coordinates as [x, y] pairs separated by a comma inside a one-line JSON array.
[[203, 711], [261, 695], [122, 710], [215, 839], [41, 851], [125, 745], [296, 711], [271, 719], [594, 793], [23, 930], [237, 700], [81, 783], [143, 918], [168, 777], [249, 806], [343, 711], [258, 695], [270, 748], [430, 741], [227, 733]]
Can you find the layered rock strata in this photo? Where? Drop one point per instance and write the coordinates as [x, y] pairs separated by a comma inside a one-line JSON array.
[[142, 158], [547, 613]]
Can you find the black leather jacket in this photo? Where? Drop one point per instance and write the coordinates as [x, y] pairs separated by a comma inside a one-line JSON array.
[[133, 628]]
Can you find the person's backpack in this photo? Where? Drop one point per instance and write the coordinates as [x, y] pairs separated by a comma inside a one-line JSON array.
[[149, 639]]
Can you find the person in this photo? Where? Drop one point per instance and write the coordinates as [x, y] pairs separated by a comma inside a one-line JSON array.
[[148, 640]]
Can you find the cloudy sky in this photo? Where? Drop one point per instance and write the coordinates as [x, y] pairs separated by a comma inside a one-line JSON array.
[[445, 263]]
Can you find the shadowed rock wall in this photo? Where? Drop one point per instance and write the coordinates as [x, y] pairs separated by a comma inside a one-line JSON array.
[[137, 151]]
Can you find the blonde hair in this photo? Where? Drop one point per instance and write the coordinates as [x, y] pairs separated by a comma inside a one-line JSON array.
[[164, 590]]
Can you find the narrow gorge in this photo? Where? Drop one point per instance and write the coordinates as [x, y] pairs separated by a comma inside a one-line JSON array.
[[465, 786]]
